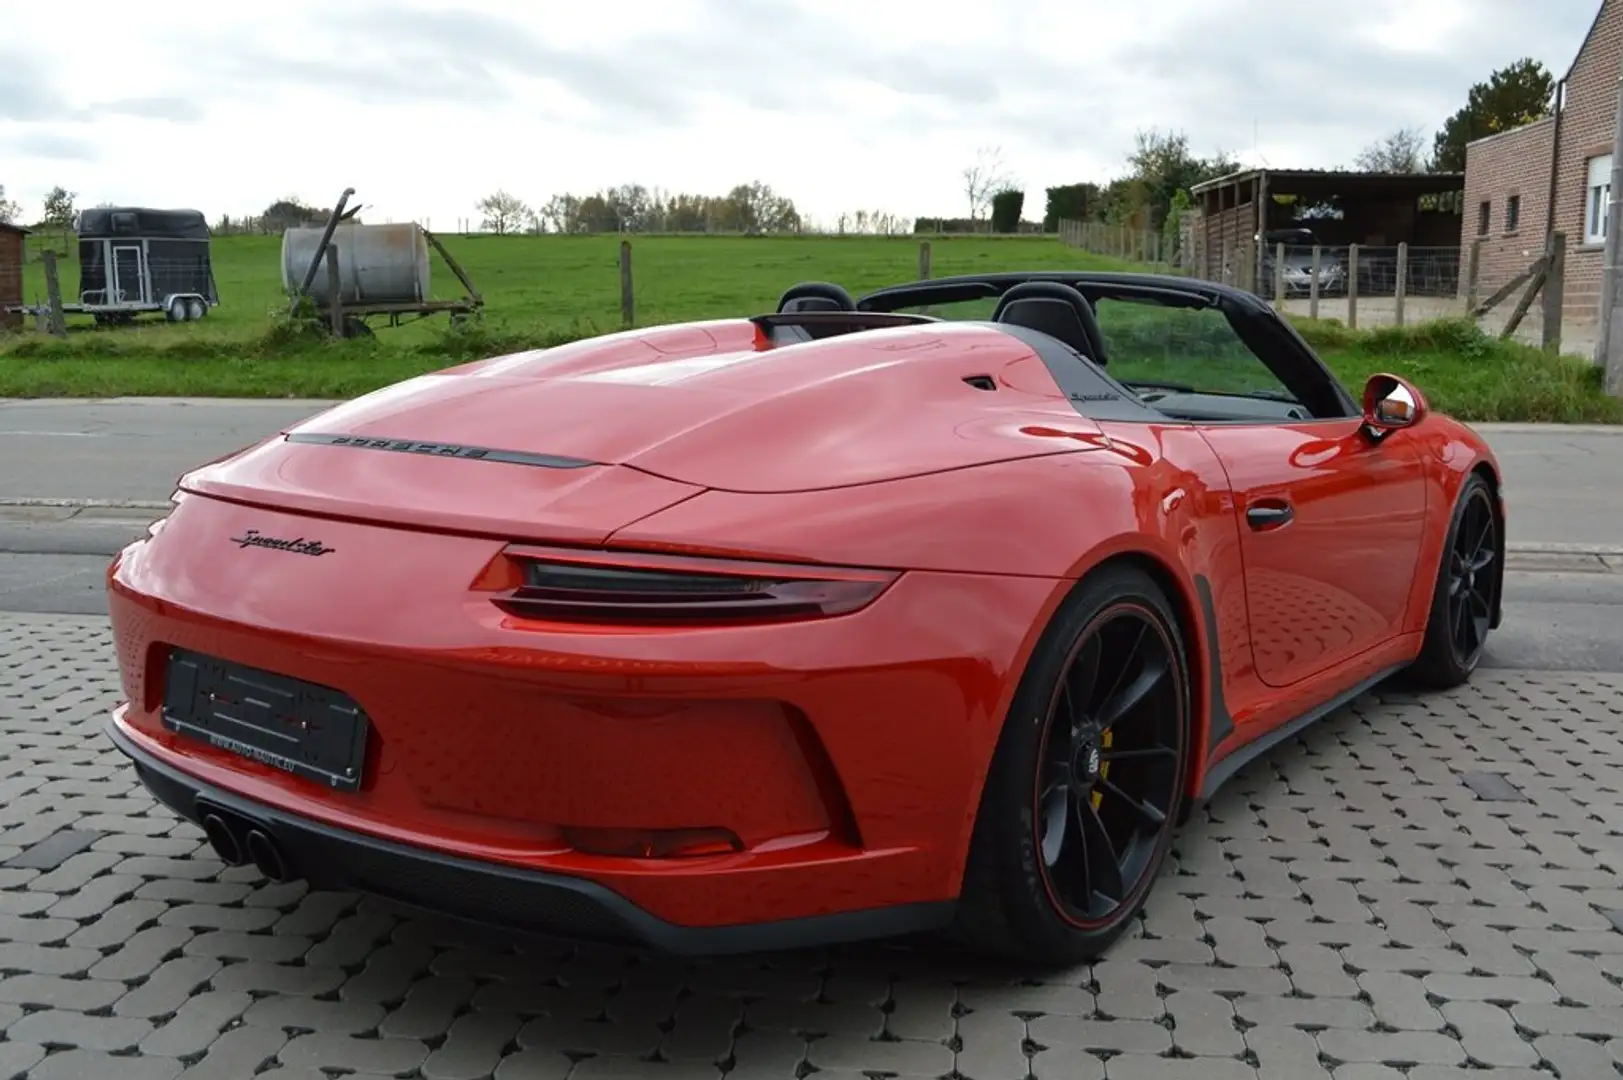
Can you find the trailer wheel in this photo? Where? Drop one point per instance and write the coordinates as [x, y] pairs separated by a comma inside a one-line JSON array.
[[176, 311], [195, 308]]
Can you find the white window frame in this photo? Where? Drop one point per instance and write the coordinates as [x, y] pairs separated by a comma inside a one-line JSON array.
[[1597, 199]]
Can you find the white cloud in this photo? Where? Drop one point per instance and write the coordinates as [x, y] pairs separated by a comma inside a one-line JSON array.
[[840, 104]]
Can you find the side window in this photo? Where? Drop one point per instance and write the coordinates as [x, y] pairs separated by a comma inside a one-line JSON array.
[[1189, 362]]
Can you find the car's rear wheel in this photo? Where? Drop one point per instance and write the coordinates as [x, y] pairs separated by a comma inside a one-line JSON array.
[[1467, 591], [1087, 781]]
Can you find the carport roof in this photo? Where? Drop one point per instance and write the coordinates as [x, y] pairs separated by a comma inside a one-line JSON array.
[[1325, 183]]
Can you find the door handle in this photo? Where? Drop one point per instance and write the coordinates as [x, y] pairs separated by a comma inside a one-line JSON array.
[[1268, 515]]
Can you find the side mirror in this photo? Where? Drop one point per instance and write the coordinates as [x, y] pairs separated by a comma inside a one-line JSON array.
[[1392, 403]]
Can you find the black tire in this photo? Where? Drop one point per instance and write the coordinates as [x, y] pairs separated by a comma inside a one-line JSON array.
[[1013, 902], [1472, 563]]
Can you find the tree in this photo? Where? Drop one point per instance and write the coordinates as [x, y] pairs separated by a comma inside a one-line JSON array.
[[9, 210], [1161, 165], [756, 208], [289, 213], [59, 209], [1516, 94], [1070, 202], [983, 178], [1402, 151], [561, 214], [1006, 207], [503, 213]]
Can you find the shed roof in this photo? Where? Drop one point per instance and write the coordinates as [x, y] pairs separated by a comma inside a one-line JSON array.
[[1323, 183], [6, 226]]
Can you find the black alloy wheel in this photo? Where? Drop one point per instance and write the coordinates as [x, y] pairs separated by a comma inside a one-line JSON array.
[[1088, 779], [1466, 596], [1471, 578]]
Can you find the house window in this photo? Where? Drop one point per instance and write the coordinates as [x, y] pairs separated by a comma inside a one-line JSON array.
[[1484, 217], [1513, 213], [1598, 199]]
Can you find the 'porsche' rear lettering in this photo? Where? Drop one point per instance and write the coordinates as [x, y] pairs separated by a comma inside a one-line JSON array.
[[408, 447]]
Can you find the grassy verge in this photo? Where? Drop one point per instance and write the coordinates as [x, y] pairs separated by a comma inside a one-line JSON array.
[[1468, 374], [543, 291]]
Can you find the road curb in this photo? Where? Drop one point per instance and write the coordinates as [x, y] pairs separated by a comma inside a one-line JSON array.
[[1507, 428], [1599, 551], [25, 502]]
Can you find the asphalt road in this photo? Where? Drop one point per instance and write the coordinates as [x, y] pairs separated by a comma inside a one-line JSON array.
[[1565, 484], [95, 459]]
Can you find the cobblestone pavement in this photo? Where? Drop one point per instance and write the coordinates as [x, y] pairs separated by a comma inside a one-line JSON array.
[[1425, 888]]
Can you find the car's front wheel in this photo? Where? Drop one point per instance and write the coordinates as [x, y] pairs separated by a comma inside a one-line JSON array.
[[1467, 591], [1087, 781]]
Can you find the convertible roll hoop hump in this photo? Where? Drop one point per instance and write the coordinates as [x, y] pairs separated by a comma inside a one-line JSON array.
[[935, 609]]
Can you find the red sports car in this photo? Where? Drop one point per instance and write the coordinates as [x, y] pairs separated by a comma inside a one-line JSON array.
[[937, 609]]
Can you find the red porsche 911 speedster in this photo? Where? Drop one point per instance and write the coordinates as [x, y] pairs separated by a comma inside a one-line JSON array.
[[933, 610]]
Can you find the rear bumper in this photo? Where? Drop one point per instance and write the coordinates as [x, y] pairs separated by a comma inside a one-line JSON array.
[[845, 754], [333, 858]]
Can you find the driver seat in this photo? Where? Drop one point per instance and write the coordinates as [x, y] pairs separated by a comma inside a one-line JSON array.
[[1056, 309]]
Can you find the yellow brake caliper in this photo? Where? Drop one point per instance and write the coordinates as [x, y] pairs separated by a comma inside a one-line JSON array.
[[1104, 771]]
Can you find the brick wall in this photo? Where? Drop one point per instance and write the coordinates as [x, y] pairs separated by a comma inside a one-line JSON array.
[[1586, 130], [1517, 163], [1511, 164]]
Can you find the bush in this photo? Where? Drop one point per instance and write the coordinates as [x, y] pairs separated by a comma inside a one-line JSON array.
[[1006, 207]]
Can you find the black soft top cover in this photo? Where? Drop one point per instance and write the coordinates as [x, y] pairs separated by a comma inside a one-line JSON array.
[[131, 221]]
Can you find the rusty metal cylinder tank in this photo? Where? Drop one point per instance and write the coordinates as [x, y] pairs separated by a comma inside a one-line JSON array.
[[377, 264]]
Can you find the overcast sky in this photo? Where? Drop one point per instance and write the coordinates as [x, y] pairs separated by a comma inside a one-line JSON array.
[[840, 104]]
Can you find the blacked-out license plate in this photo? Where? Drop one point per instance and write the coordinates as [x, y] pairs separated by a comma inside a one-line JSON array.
[[299, 727]]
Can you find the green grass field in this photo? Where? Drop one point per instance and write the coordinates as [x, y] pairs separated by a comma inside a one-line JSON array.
[[547, 289]]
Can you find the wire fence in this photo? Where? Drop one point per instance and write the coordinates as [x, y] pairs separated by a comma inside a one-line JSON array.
[[1165, 250], [569, 281]]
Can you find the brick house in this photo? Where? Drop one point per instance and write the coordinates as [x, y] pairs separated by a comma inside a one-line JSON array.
[[1510, 177], [11, 273]]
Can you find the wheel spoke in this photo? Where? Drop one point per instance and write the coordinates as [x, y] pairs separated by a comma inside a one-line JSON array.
[[1465, 628], [1126, 663], [1123, 700], [1150, 815], [1082, 681], [1484, 535], [1482, 560], [1100, 865], [1055, 808]]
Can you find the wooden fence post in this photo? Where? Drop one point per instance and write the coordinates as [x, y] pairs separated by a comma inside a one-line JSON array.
[[1228, 267], [1279, 277], [1352, 286], [1473, 277], [924, 260], [1401, 286], [628, 296], [1554, 291], [1313, 286], [335, 296], [53, 294]]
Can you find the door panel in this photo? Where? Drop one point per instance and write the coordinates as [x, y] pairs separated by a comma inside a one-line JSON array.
[[1330, 529], [128, 285]]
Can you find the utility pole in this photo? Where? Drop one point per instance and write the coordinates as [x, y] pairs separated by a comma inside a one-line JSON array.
[[1609, 349]]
